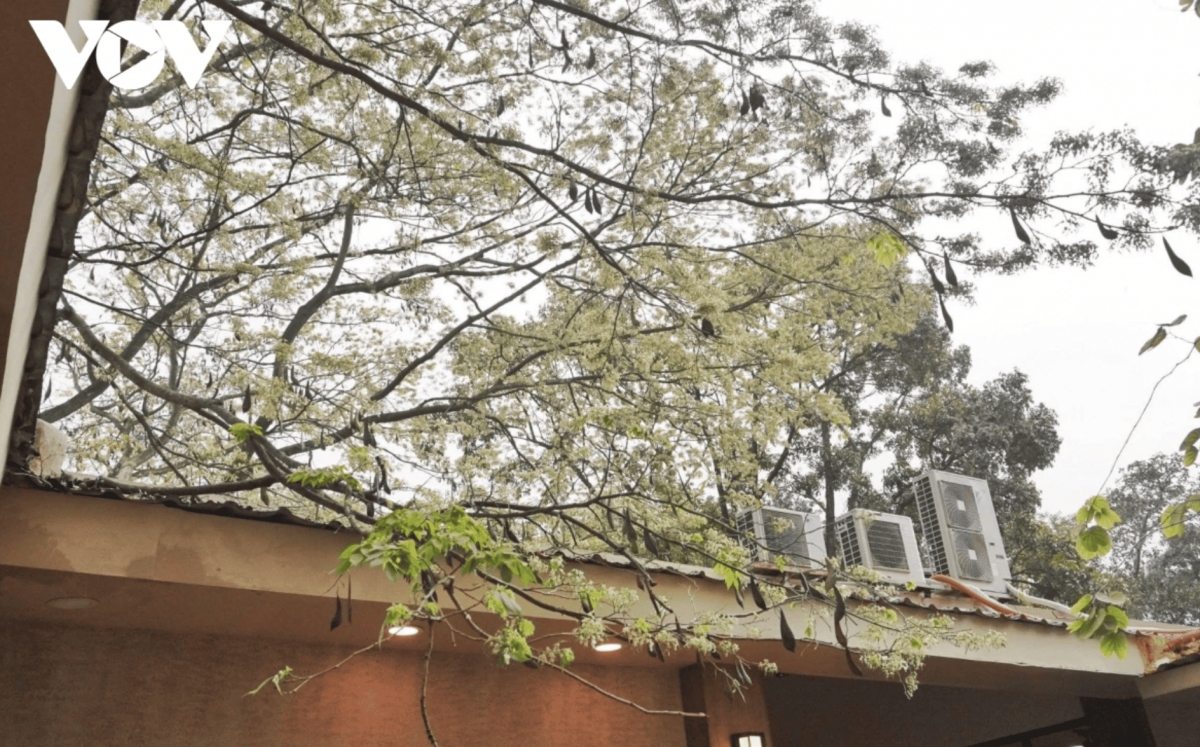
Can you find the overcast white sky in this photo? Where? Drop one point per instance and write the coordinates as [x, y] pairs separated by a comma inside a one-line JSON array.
[[1075, 332]]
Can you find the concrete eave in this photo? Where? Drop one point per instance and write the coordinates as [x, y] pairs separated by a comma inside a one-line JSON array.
[[155, 567]]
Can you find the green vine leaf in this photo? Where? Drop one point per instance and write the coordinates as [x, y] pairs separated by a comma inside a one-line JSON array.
[[242, 432]]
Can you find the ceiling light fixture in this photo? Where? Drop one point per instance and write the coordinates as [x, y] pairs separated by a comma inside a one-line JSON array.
[[607, 646], [404, 630], [748, 739], [71, 603]]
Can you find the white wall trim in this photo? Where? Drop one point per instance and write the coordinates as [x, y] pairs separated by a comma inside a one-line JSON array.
[[33, 262]]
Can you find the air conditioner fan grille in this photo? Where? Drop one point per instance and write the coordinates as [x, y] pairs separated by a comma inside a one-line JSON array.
[[886, 543], [970, 549], [960, 507]]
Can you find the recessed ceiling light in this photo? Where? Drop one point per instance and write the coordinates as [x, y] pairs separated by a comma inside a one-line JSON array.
[[71, 603], [607, 646], [404, 630]]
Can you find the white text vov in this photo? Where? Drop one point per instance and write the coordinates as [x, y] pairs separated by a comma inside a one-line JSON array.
[[157, 38]]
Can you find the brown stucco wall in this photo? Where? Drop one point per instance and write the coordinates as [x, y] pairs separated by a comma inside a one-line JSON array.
[[83, 687], [1175, 721]]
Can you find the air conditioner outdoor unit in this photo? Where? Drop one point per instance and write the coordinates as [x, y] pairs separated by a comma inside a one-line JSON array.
[[960, 528], [777, 532], [884, 543]]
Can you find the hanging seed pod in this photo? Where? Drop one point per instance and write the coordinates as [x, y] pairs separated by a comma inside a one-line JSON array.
[[595, 200], [367, 436], [883, 107], [630, 533], [587, 201], [246, 400], [785, 633], [951, 277], [756, 594], [745, 105], [757, 100], [501, 105], [337, 614], [1105, 231], [1180, 266], [707, 329], [591, 58], [937, 284], [572, 189], [1022, 234], [946, 316], [649, 541]]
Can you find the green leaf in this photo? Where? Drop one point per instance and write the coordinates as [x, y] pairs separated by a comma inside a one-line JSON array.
[[1118, 616], [1190, 439], [396, 614], [1082, 604], [275, 679], [1093, 542], [1154, 342], [1113, 597], [1189, 456], [887, 248], [1114, 644], [1175, 517], [243, 431], [1091, 624], [1097, 509]]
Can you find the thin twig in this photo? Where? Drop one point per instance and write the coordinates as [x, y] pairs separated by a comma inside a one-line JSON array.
[[618, 698], [1111, 469], [425, 691]]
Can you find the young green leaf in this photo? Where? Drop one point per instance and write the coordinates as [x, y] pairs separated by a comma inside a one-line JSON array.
[[1093, 542], [1114, 644], [243, 431], [1154, 341], [1082, 604]]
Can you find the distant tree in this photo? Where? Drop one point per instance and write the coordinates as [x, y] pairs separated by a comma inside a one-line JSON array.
[[1161, 576]]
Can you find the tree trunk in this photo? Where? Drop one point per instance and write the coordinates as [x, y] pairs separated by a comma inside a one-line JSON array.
[[828, 477]]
